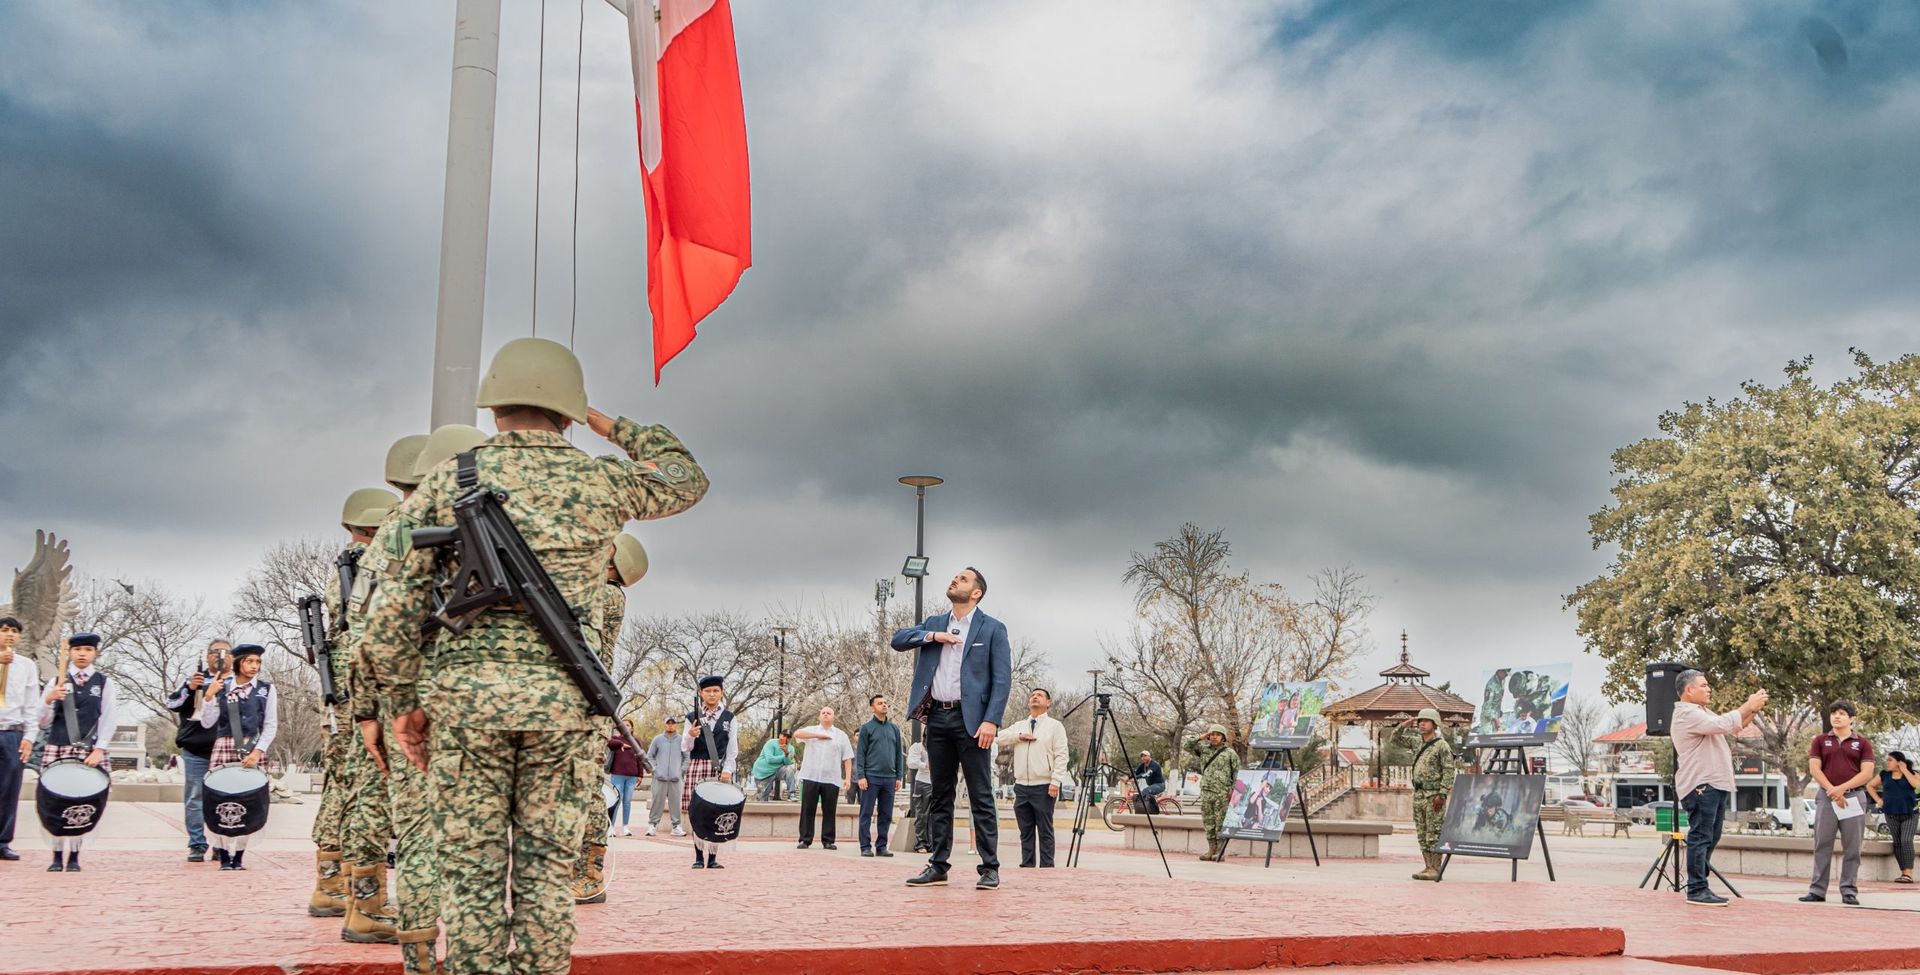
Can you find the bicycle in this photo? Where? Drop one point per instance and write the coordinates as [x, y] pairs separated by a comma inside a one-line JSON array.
[[1167, 805]]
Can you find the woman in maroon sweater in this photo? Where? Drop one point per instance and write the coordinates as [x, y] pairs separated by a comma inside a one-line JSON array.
[[625, 766]]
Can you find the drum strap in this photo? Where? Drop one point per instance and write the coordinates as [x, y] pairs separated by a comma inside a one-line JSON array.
[[707, 737], [73, 717], [242, 746]]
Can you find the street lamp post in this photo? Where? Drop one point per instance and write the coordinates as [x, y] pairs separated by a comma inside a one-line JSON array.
[[780, 718], [920, 483]]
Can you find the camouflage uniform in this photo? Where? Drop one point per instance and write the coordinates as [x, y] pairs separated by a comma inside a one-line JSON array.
[[329, 823], [1432, 776], [416, 886], [510, 731], [369, 816], [1216, 784], [589, 871]]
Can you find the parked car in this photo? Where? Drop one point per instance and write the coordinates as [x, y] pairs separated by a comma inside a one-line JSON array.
[[1644, 813], [1782, 817], [1575, 802]]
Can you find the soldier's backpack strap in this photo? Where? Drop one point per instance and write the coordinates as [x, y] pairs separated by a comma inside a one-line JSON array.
[[466, 473]]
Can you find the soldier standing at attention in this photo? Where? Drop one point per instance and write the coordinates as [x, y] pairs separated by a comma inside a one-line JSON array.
[[1432, 780], [329, 898], [590, 870], [415, 911], [1218, 764], [369, 817], [505, 733]]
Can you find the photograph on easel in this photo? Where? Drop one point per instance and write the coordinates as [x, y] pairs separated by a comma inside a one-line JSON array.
[[1284, 713], [1258, 806], [1521, 706], [1492, 815]]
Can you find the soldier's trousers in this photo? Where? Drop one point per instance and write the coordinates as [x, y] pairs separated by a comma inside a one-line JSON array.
[[330, 821], [369, 818], [1427, 821], [509, 792], [598, 822], [416, 866], [1213, 813]]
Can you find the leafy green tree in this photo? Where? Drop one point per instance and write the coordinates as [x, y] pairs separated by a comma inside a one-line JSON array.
[[1770, 540]]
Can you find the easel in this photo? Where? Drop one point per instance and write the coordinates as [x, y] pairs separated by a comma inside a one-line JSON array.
[[1281, 759], [1506, 760]]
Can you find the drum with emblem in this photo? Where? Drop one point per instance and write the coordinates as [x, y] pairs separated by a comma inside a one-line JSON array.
[[234, 800], [715, 810], [70, 797]]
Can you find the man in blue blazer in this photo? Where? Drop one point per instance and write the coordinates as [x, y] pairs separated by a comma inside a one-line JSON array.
[[960, 683]]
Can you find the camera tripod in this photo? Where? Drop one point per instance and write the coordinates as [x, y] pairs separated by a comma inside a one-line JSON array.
[[1092, 769]]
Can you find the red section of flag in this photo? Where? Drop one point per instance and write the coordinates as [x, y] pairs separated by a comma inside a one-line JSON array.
[[699, 216]]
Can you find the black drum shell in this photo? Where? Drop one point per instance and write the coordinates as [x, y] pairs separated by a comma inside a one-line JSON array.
[[63, 816], [234, 813], [716, 822]]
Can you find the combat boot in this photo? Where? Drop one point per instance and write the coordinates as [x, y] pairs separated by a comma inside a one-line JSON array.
[[329, 898], [1432, 872], [416, 950], [590, 881], [1213, 849], [369, 921]]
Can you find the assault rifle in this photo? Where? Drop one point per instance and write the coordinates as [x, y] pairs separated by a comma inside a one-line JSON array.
[[495, 567], [313, 639]]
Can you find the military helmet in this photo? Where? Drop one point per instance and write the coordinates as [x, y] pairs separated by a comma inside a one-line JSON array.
[[366, 507], [445, 444], [1218, 729], [535, 372], [400, 458], [1428, 714], [629, 559]]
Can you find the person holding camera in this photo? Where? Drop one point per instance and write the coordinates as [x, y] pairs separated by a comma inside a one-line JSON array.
[[195, 742], [1703, 777], [1893, 791]]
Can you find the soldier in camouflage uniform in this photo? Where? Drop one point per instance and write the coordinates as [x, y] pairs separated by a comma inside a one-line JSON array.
[[1218, 764], [1432, 780], [416, 908], [505, 735], [628, 565], [369, 818], [329, 898]]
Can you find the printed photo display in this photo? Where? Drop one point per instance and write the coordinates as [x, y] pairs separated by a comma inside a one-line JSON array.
[[1521, 705], [1493, 815], [1284, 713], [1258, 806]]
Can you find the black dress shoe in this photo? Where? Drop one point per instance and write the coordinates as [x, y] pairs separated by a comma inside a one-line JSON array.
[[883, 852], [803, 844], [713, 863], [931, 877], [6, 853], [237, 857], [989, 880], [1850, 900], [59, 863], [1812, 899], [866, 853], [828, 846], [73, 863], [699, 863], [197, 855]]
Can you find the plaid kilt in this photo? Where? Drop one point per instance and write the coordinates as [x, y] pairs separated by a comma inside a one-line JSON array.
[[223, 754], [50, 754], [698, 770]]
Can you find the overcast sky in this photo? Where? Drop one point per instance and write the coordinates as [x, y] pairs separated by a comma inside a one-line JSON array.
[[1362, 283]]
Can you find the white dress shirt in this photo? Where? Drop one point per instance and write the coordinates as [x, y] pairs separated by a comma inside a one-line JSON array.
[[23, 695], [824, 757], [917, 760], [109, 713], [946, 677], [212, 707]]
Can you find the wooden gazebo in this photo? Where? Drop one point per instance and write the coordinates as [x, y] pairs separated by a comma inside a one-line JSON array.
[[1384, 707]]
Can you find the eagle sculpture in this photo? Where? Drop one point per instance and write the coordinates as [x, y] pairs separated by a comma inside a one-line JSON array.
[[43, 600]]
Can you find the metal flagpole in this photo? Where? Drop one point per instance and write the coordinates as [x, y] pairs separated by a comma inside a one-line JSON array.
[[463, 226]]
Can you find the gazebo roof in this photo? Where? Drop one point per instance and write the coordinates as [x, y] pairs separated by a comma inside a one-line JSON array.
[[1405, 693]]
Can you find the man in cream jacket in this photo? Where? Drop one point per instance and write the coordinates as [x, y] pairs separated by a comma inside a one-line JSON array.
[[1039, 769]]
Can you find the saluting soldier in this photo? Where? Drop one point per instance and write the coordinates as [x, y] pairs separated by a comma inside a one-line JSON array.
[[1432, 781], [1218, 764], [504, 731], [629, 563], [359, 516]]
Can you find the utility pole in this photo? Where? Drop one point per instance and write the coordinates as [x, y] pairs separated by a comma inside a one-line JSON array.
[[464, 211]]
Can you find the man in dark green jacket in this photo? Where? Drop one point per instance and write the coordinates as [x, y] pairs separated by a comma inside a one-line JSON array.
[[877, 761]]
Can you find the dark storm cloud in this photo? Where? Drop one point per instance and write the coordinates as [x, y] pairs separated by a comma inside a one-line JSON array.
[[1363, 282]]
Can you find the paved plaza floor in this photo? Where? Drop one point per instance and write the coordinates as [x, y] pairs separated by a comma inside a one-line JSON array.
[[147, 910]]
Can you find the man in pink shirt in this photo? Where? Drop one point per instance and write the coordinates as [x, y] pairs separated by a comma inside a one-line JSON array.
[[1704, 776]]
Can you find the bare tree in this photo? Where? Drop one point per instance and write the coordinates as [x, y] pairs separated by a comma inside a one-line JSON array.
[[1324, 637], [1586, 719], [150, 640], [265, 611], [1158, 682], [1785, 736]]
